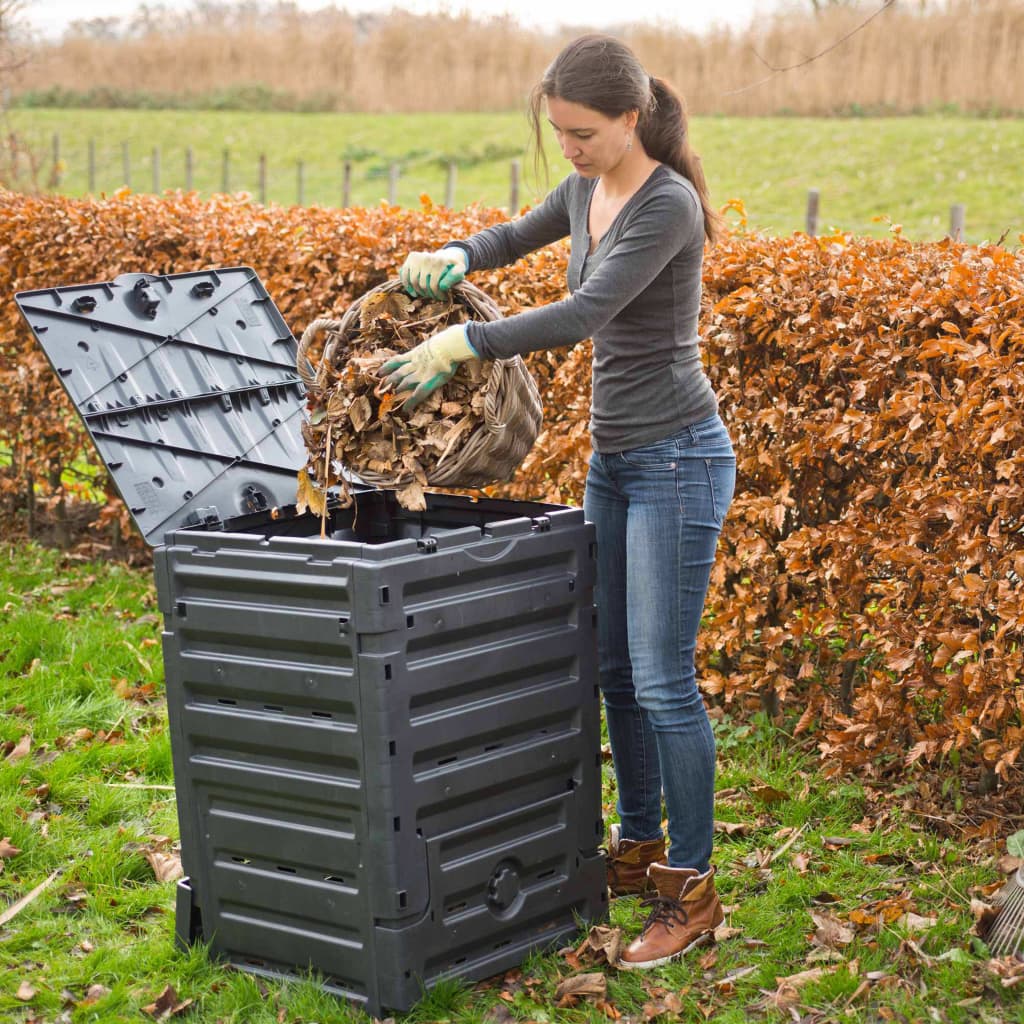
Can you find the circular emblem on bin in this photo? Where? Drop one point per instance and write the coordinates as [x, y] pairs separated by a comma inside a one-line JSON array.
[[503, 888]]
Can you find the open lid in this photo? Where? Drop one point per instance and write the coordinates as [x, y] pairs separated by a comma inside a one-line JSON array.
[[187, 385]]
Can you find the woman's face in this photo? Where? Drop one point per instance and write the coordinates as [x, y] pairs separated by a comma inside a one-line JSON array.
[[592, 141]]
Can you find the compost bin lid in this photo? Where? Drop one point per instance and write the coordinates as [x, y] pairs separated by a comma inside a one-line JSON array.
[[187, 385]]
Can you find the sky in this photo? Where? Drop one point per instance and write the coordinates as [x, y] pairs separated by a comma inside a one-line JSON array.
[[50, 17]]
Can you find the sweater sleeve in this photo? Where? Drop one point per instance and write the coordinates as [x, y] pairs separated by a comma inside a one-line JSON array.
[[662, 226], [502, 244]]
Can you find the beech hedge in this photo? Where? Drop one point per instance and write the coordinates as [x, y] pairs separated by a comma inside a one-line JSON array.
[[869, 585]]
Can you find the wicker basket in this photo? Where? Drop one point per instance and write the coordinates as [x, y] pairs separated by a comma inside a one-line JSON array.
[[493, 449]]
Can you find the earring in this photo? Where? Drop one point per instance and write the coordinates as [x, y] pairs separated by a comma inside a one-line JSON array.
[[629, 142]]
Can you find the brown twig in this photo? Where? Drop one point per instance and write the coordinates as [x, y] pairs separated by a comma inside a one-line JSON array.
[[16, 908], [327, 478], [808, 60]]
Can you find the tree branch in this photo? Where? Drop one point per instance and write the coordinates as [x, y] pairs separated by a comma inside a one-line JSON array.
[[809, 60]]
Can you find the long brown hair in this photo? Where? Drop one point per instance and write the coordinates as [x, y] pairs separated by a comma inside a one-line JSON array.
[[602, 73]]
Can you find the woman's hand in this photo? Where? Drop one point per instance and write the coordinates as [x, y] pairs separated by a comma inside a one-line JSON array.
[[430, 365], [433, 273]]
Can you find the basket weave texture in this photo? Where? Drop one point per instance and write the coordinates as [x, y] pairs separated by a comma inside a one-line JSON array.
[[492, 450]]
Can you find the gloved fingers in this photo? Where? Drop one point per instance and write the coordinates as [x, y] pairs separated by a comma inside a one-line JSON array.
[[392, 365], [450, 277], [425, 389], [413, 271], [405, 274], [404, 378], [427, 273]]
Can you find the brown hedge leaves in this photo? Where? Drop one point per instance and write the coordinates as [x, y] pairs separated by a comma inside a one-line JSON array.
[[870, 574]]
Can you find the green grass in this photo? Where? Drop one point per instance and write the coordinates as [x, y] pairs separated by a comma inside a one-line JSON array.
[[75, 635], [908, 169]]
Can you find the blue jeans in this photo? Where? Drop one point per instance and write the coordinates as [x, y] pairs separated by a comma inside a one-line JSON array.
[[658, 511]]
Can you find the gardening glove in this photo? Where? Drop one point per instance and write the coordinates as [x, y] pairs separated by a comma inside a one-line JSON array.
[[430, 365], [433, 273]]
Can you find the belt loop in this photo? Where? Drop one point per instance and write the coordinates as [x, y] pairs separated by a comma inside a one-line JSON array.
[[693, 434]]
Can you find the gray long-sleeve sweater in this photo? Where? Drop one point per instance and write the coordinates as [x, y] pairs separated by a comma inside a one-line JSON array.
[[637, 295]]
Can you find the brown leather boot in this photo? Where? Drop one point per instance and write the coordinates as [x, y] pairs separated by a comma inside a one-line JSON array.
[[627, 863], [684, 914]]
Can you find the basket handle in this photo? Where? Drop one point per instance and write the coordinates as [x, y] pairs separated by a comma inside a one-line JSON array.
[[303, 365]]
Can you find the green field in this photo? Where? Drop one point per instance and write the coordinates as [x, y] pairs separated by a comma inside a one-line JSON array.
[[908, 169]]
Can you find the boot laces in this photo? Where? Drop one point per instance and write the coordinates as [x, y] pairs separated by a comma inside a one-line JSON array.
[[664, 910]]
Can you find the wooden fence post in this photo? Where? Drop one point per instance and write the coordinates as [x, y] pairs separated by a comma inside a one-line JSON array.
[[56, 160], [957, 214], [263, 178], [393, 183], [300, 183], [346, 184], [126, 164], [449, 187], [189, 162], [92, 165], [513, 192], [812, 211], [156, 170], [225, 172]]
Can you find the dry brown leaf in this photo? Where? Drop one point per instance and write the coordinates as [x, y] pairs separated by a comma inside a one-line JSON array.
[[360, 412], [917, 923], [25, 992], [168, 1005], [787, 993], [985, 915], [7, 850], [830, 931], [412, 497], [768, 794], [21, 749], [602, 945], [732, 828], [166, 866], [581, 986]]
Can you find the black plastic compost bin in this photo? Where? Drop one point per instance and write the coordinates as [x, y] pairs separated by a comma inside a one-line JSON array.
[[386, 743]]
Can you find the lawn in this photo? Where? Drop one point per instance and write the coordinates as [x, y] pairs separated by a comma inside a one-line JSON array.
[[905, 170], [851, 894]]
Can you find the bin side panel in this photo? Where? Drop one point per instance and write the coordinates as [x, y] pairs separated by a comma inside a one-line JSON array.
[[268, 755]]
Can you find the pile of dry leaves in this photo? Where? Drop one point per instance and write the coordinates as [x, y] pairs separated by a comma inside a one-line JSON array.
[[357, 426]]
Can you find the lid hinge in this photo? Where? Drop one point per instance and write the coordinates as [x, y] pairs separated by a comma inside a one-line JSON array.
[[208, 517]]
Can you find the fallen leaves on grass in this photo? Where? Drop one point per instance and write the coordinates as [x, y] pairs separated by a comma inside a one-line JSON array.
[[93, 994], [663, 1002], [14, 752], [25, 992], [7, 850], [768, 794], [581, 986], [137, 693], [787, 993], [732, 829], [592, 987], [166, 866], [1009, 970], [602, 945], [159, 853], [829, 931], [168, 1005]]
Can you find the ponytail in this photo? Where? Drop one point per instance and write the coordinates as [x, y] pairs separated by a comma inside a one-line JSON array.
[[662, 129]]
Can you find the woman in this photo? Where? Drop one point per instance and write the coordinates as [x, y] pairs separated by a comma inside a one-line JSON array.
[[662, 471]]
